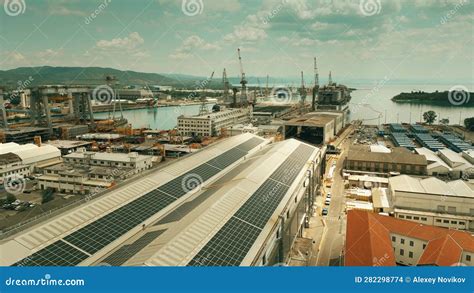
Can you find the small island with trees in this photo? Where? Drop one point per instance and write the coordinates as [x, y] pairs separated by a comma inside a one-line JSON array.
[[465, 99]]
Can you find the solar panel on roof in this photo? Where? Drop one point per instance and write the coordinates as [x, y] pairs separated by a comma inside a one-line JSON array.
[[229, 246], [100, 233], [125, 252], [57, 254], [232, 242]]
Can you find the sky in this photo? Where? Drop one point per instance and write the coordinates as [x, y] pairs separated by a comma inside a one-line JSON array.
[[366, 39]]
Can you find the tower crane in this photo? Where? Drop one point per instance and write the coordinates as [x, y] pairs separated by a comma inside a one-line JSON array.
[[226, 83], [302, 93], [243, 81], [316, 85], [203, 110]]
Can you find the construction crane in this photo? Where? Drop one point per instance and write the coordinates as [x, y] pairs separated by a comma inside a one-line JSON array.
[[330, 78], [204, 110], [302, 94], [267, 93], [226, 83], [260, 91], [316, 85], [243, 81]]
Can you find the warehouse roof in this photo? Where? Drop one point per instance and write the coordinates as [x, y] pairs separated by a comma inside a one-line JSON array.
[[85, 232], [431, 185], [399, 155], [112, 157]]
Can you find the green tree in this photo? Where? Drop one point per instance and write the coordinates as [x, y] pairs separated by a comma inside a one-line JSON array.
[[469, 123], [444, 121], [430, 117], [10, 198]]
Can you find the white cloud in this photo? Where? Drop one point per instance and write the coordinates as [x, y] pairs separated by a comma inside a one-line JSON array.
[[191, 44], [130, 42], [251, 30]]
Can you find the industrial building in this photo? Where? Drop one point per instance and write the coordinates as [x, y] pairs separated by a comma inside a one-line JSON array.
[[447, 163], [431, 201], [316, 127], [67, 179], [135, 162], [377, 240], [11, 166], [69, 146], [212, 124], [399, 160], [237, 202], [32, 155]]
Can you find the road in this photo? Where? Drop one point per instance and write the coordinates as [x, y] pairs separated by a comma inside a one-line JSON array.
[[332, 243]]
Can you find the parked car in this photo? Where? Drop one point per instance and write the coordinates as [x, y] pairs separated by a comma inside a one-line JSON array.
[[325, 212]]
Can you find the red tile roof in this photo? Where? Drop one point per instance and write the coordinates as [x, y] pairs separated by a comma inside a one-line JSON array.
[[368, 239]]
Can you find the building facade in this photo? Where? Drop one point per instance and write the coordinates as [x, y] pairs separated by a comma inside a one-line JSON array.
[[212, 124]]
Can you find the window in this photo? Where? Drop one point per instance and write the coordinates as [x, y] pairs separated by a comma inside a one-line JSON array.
[[454, 222], [438, 220], [409, 217], [402, 241], [401, 216], [416, 218], [394, 238], [410, 254], [468, 257], [441, 208], [412, 243], [446, 221], [423, 219], [402, 252], [424, 245]]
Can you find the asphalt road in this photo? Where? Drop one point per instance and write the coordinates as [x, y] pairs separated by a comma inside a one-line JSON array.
[[332, 242]]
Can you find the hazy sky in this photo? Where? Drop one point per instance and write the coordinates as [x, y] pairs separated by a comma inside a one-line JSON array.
[[413, 39]]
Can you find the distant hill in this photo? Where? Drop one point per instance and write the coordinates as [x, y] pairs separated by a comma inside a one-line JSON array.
[[47, 75], [437, 98]]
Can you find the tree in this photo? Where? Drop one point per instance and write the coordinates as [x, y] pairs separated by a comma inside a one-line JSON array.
[[10, 198], [469, 123], [430, 117], [444, 121]]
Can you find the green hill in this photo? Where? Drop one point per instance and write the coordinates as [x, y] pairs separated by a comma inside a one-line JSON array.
[[47, 75]]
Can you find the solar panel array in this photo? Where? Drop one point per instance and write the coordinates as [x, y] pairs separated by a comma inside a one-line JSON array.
[[416, 128], [428, 141], [100, 233], [455, 143], [57, 254], [402, 140], [125, 252], [396, 127], [230, 245]]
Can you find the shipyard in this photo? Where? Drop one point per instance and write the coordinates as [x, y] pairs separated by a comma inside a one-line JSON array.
[[232, 164]]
